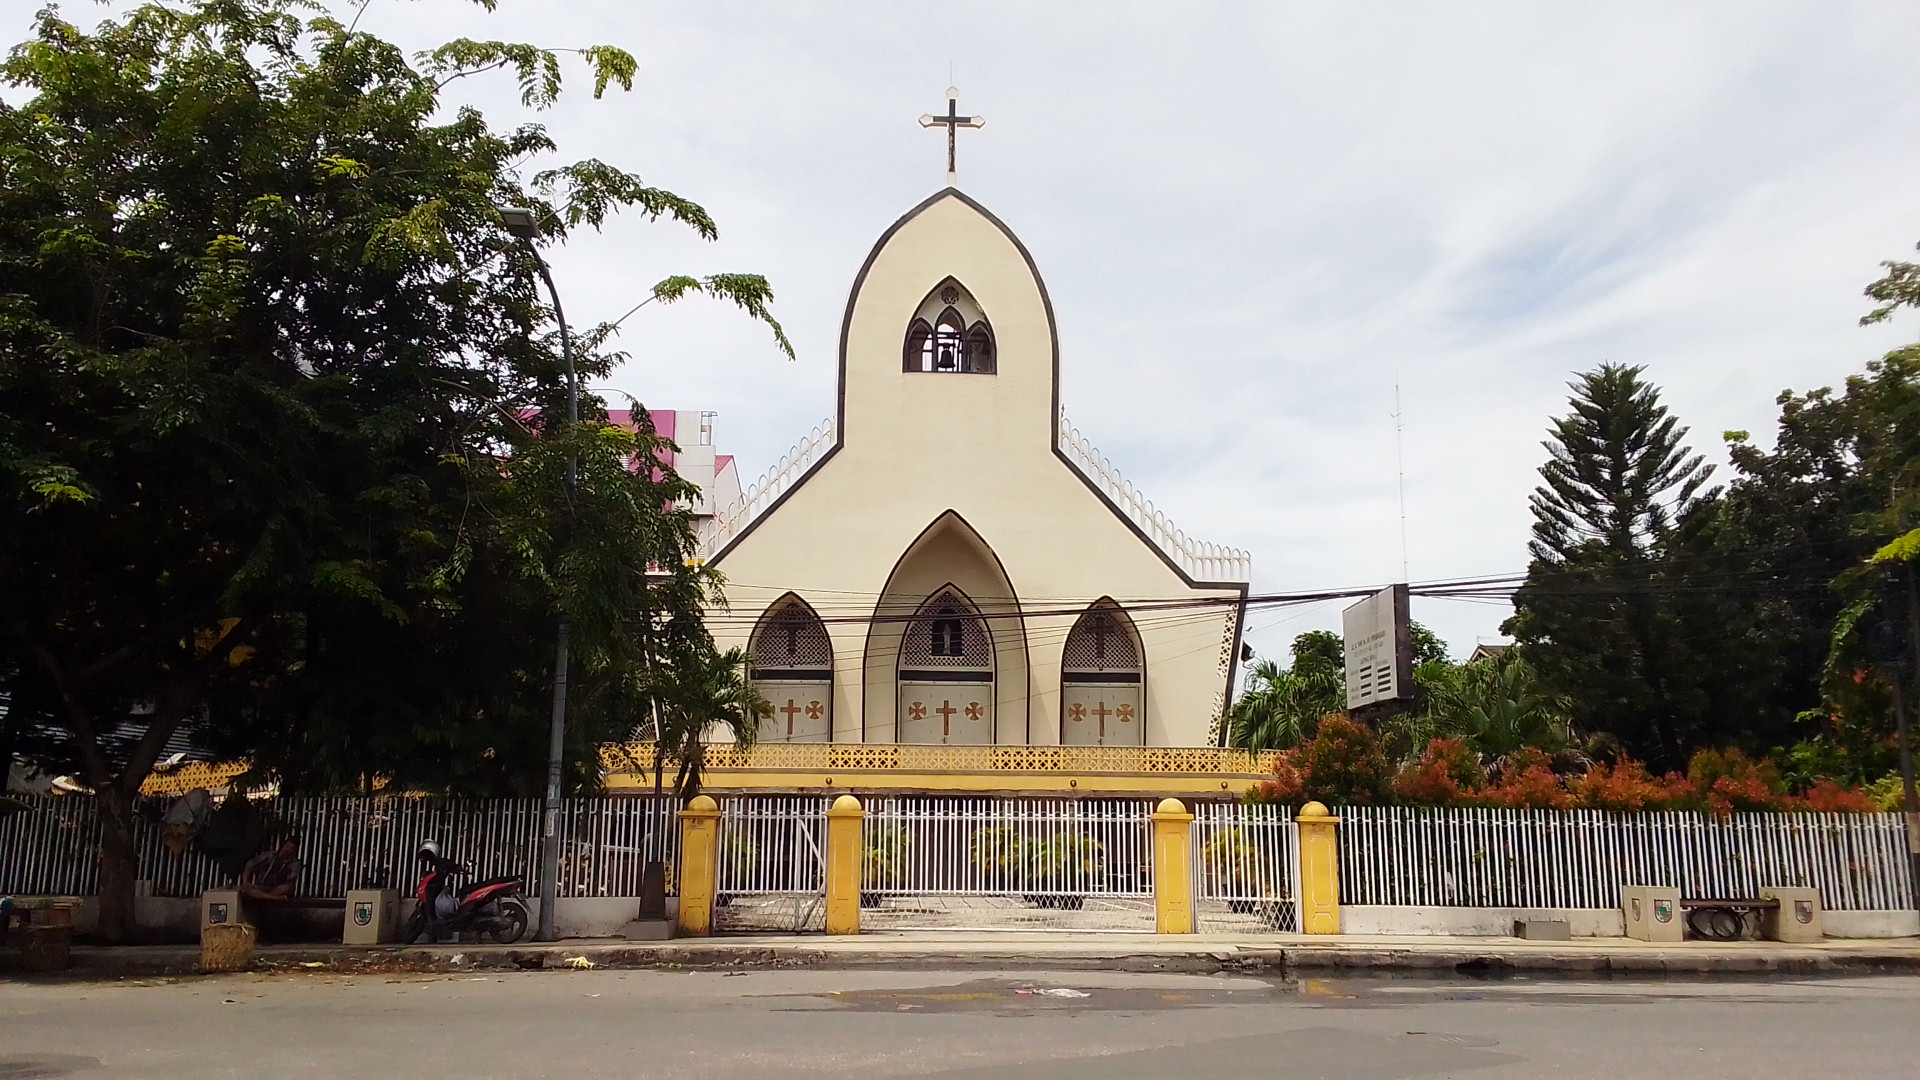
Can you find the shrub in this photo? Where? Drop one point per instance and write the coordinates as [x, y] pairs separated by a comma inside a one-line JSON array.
[[1731, 781], [1447, 771], [1627, 786], [1828, 797], [1529, 784], [1888, 793], [1286, 787], [1344, 763]]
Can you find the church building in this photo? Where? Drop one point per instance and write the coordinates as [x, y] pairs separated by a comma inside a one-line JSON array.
[[946, 560]]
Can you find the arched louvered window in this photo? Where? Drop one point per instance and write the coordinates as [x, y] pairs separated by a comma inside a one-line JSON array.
[[946, 673], [1101, 680], [793, 669]]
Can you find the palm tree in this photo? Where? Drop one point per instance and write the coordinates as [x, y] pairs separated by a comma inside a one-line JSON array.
[[703, 695], [1282, 707], [1497, 706]]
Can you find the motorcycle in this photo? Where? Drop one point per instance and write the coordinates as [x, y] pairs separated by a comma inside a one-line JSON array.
[[495, 909]]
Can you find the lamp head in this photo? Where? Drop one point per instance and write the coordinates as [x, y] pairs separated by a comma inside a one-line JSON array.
[[519, 221]]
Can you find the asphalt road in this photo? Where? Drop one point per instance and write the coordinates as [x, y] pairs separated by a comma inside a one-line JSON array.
[[953, 1025]]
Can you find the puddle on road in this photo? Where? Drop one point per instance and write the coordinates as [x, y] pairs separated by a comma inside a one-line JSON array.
[[1015, 996], [1002, 996]]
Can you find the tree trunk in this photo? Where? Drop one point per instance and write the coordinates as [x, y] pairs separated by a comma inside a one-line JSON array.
[[119, 862]]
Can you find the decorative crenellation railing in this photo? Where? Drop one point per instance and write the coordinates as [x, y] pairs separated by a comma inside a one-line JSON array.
[[1201, 560], [775, 482], [919, 758]]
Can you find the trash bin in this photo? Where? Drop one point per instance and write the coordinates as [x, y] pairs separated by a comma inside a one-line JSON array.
[[373, 917], [1798, 918]]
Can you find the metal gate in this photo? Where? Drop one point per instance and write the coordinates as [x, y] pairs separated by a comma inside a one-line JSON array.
[[933, 863], [1246, 869], [771, 872]]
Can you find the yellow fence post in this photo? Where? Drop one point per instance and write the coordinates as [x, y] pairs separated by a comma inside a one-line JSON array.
[[1319, 870], [1172, 868], [844, 865], [699, 863]]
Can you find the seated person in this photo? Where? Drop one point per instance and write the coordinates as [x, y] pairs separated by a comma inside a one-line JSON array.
[[272, 875]]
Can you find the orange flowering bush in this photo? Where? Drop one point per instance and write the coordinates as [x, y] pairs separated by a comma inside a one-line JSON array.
[[1828, 797], [1286, 787], [1344, 764], [1626, 786], [1731, 781], [1446, 771], [1528, 782]]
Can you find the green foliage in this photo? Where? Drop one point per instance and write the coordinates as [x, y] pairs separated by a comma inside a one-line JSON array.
[[271, 386], [1594, 615], [1428, 648], [1319, 651], [1496, 706], [1282, 707], [749, 292], [1344, 763], [696, 696]]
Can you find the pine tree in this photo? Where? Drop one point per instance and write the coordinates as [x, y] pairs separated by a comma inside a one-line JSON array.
[[1596, 614]]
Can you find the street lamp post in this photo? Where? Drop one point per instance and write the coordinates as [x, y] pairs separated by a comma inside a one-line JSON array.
[[520, 222]]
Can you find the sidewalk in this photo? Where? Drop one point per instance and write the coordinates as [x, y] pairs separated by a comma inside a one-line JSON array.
[[1273, 954]]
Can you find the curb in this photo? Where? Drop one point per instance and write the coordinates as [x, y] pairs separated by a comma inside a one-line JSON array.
[[1432, 961]]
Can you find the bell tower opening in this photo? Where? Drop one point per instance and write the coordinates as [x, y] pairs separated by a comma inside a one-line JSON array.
[[949, 334]]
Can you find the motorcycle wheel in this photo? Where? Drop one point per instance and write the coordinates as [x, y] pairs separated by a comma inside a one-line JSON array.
[[416, 926], [513, 922]]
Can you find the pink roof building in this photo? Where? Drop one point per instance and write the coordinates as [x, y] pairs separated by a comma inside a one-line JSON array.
[[696, 462]]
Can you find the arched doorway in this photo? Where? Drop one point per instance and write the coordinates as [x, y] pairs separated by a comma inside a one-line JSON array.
[[1101, 675], [948, 557], [793, 669], [946, 674]]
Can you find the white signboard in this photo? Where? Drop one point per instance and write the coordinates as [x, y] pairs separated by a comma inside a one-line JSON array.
[[1379, 648]]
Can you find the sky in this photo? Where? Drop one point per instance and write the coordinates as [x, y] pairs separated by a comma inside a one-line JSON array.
[[1258, 222]]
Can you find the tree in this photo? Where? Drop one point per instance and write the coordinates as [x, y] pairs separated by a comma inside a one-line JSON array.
[[272, 412], [1495, 706], [708, 696], [1591, 615], [1281, 707]]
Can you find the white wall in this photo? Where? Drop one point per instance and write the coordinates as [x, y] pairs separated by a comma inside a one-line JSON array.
[[1474, 922], [1582, 922]]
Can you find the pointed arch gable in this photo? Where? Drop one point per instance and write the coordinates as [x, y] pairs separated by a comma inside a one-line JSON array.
[[873, 256], [948, 553], [947, 638]]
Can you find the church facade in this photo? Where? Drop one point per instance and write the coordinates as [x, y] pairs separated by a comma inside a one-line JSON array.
[[946, 561]]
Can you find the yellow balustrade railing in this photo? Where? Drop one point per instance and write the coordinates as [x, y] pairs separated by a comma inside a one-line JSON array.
[[729, 765], [1182, 760], [1145, 769]]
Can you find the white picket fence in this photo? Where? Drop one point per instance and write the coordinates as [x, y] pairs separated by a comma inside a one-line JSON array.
[[1007, 864], [52, 848], [1579, 859]]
